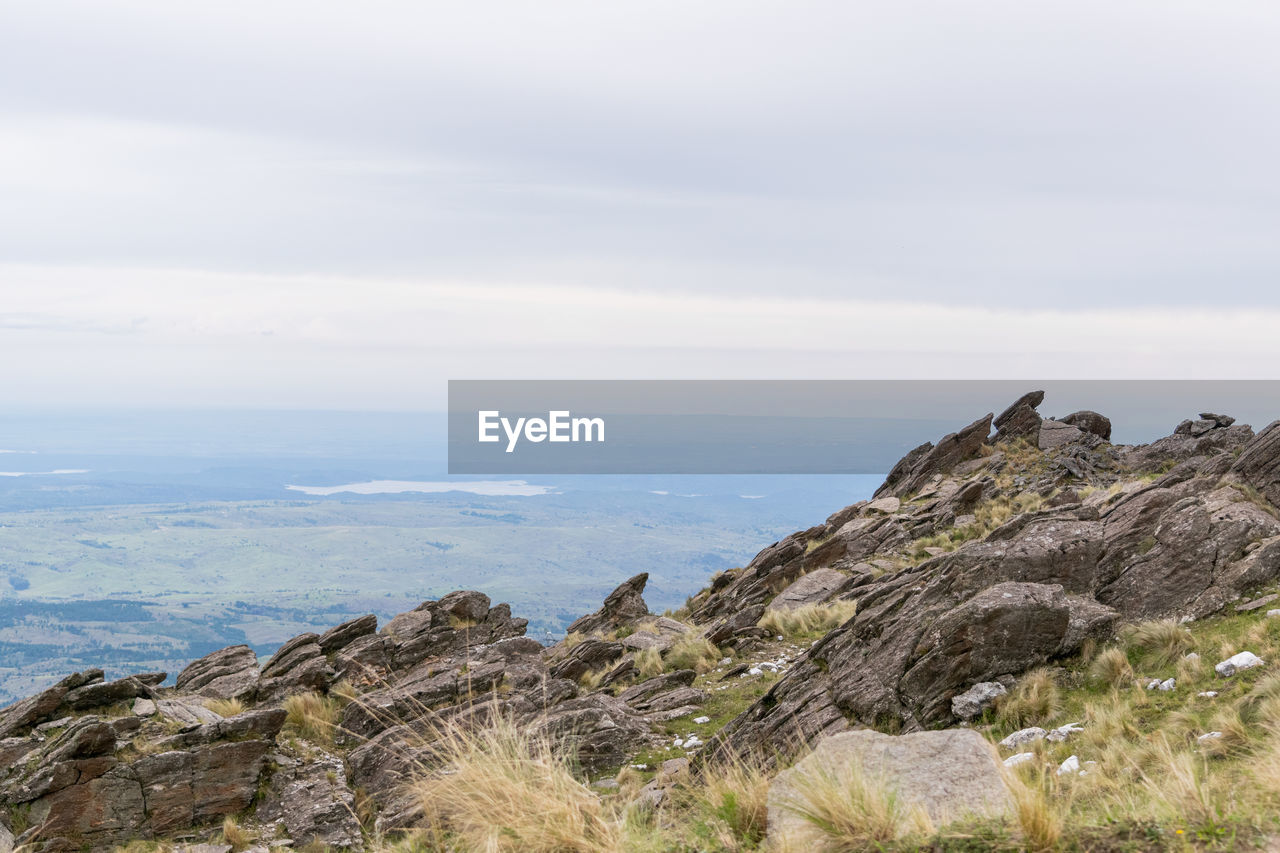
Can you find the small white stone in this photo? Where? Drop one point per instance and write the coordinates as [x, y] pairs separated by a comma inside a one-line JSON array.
[[1207, 694], [1271, 614], [1209, 736], [700, 720], [1237, 663], [1019, 758], [1022, 736], [1168, 684], [1061, 733], [1071, 765], [1153, 684], [755, 670], [678, 742], [726, 661], [639, 766], [692, 742], [1191, 656]]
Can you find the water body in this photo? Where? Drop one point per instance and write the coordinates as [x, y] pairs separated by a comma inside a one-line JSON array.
[[491, 488]]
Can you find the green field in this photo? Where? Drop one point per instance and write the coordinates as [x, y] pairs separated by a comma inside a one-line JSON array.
[[142, 587]]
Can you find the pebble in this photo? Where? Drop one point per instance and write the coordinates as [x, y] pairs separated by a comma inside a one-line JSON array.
[[1019, 758], [1071, 765]]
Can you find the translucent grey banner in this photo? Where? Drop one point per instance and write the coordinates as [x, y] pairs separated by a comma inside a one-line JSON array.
[[787, 426]]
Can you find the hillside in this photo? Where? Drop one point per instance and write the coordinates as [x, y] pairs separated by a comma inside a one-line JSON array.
[[1023, 581]]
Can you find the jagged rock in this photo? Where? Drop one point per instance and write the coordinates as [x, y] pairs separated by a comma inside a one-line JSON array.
[[588, 656], [341, 636], [1091, 422], [937, 459], [364, 661], [950, 773], [230, 673], [664, 692], [144, 707], [1259, 463], [27, 712], [260, 724], [105, 693], [458, 621], [297, 666], [814, 588], [624, 606], [977, 699], [312, 801], [732, 626], [1021, 418]]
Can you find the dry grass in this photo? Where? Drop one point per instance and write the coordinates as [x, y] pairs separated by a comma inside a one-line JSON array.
[[1161, 641], [1033, 701], [809, 620], [692, 652], [1040, 814], [847, 807], [225, 707], [1111, 667], [312, 716], [503, 789], [648, 664], [236, 835], [731, 803]]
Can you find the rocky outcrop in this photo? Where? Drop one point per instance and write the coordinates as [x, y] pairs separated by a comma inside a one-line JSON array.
[[950, 451], [1021, 418], [624, 606], [1259, 462], [1029, 591]]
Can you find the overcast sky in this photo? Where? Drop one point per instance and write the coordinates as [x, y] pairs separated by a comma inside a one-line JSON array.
[[343, 204]]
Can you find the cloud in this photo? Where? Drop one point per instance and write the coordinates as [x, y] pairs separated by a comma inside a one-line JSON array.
[[328, 342], [1055, 155]]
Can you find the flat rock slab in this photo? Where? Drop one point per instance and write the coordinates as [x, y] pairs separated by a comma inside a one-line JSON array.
[[951, 773], [813, 588]]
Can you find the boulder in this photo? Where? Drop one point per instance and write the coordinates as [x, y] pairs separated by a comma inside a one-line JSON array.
[[951, 774], [624, 606], [230, 673], [814, 588], [1090, 422]]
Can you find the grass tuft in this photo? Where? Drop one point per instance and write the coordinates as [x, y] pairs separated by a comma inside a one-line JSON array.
[[312, 716], [808, 621]]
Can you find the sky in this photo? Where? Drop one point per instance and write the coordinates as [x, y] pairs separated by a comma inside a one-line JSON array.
[[342, 205]]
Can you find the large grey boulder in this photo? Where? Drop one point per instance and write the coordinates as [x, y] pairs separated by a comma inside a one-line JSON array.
[[951, 774]]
